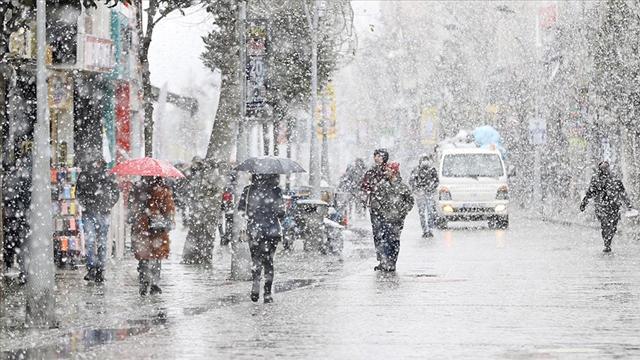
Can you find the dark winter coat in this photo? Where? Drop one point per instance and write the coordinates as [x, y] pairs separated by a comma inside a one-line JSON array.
[[146, 201], [424, 178], [16, 191], [392, 200], [264, 208], [608, 194], [97, 190], [372, 178], [351, 180]]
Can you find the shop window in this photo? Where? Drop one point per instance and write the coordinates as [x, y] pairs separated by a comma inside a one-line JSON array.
[[62, 30]]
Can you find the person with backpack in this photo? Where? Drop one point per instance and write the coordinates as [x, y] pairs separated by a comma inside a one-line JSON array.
[[98, 192], [393, 198], [608, 194], [424, 182]]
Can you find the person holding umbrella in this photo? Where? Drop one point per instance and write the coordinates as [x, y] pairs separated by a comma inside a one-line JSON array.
[[151, 215], [152, 212], [263, 205]]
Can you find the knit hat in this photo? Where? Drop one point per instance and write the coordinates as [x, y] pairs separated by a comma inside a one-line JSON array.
[[394, 168]]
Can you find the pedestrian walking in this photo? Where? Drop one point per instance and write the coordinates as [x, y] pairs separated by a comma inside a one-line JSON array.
[[370, 182], [16, 201], [350, 185], [608, 194], [97, 191], [152, 215], [424, 182], [394, 199], [263, 205], [205, 201]]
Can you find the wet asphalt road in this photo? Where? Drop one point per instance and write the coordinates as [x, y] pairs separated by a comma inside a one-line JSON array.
[[534, 291]]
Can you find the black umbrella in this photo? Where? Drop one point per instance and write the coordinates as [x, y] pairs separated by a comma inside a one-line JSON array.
[[270, 165]]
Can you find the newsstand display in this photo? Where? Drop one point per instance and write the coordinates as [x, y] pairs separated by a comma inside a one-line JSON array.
[[68, 237]]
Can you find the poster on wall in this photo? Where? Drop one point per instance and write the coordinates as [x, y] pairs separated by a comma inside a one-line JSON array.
[[256, 67]]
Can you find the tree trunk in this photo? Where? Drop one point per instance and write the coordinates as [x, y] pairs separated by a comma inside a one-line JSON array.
[[276, 136], [143, 57], [148, 107], [2, 155], [223, 137], [199, 243]]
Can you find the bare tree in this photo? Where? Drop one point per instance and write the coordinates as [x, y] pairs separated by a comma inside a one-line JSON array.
[[155, 12]]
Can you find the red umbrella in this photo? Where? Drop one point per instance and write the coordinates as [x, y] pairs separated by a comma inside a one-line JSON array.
[[147, 167]]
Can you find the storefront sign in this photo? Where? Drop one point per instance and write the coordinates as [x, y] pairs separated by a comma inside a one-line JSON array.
[[326, 111], [60, 91], [429, 125], [123, 121], [98, 54]]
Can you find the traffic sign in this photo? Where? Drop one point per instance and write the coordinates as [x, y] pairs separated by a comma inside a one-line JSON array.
[[537, 131]]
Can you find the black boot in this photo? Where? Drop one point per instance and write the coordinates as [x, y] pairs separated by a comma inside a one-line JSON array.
[[143, 288], [267, 293], [99, 276], [22, 278], [91, 275], [255, 290]]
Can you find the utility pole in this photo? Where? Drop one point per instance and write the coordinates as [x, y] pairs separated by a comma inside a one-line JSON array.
[[314, 176], [39, 258], [537, 176], [325, 141], [240, 257], [3, 100]]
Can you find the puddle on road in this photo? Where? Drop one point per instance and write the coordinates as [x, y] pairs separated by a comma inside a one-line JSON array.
[[74, 342], [552, 353], [82, 340], [423, 275]]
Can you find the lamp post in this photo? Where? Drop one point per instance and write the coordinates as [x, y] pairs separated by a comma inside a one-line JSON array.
[[39, 260], [314, 164], [240, 259]]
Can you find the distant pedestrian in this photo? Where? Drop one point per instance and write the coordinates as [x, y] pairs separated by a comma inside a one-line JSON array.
[[97, 191], [370, 182], [16, 191], [225, 224], [350, 185], [180, 189], [263, 205], [424, 182], [608, 194], [394, 199], [152, 215], [205, 201]]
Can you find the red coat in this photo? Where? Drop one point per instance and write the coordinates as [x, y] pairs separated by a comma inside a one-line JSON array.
[[152, 245]]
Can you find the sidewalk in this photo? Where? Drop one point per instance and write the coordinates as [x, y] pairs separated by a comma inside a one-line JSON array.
[[552, 212], [537, 290], [90, 313]]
